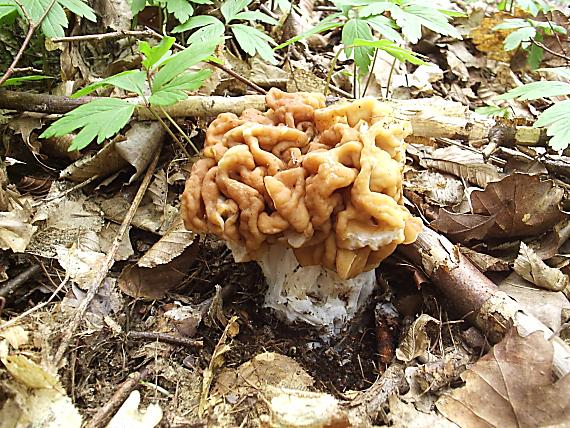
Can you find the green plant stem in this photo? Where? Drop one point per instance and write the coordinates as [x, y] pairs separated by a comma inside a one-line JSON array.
[[389, 82], [186, 137], [371, 72], [169, 131], [330, 72]]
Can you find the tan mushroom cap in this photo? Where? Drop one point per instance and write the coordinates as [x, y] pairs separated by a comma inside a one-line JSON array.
[[325, 180]]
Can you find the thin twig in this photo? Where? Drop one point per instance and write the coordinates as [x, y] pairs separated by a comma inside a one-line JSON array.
[[389, 82], [186, 137], [35, 308], [19, 280], [169, 131], [32, 26], [108, 410], [371, 72], [107, 264], [550, 51], [104, 36], [165, 337]]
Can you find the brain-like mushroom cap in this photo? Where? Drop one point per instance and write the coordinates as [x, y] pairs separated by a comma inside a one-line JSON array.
[[325, 180]]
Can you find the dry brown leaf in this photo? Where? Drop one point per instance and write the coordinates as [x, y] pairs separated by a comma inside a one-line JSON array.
[[15, 232], [547, 306], [154, 283], [518, 206], [417, 341], [404, 414], [158, 190], [171, 245], [462, 163], [485, 262], [511, 386], [533, 269], [439, 189]]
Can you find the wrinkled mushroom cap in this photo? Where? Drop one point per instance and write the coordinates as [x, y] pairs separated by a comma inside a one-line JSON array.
[[327, 181]]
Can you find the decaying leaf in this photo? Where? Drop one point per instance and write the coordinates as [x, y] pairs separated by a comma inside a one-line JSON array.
[[217, 360], [416, 342], [171, 245], [15, 232], [511, 386], [154, 283], [158, 190], [485, 262], [547, 306], [16, 336], [439, 189], [129, 415], [404, 414], [533, 269], [518, 206]]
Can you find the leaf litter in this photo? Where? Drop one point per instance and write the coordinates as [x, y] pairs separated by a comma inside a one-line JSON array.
[[238, 364]]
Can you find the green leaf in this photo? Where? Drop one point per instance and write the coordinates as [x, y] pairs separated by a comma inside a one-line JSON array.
[[181, 9], [385, 26], [174, 90], [137, 6], [556, 120], [230, 8], [398, 52], [511, 24], [196, 22], [15, 81], [251, 40], [326, 24], [375, 8], [513, 40], [358, 29], [412, 15], [493, 111], [101, 118], [536, 90], [153, 54], [535, 55], [183, 60], [55, 21], [256, 16], [130, 80], [7, 11], [79, 8]]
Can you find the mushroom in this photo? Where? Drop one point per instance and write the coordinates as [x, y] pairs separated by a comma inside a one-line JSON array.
[[312, 193]]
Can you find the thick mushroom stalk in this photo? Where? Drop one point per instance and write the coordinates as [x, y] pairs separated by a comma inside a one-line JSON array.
[[312, 193]]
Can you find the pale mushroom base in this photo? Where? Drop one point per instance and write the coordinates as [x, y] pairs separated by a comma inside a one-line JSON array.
[[312, 294]]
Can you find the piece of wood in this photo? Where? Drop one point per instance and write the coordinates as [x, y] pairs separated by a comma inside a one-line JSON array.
[[472, 295]]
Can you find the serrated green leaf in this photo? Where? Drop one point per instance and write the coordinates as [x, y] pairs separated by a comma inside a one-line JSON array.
[[513, 40], [251, 40], [175, 90], [535, 55], [375, 8], [398, 52], [55, 21], [181, 9], [137, 6], [79, 8], [153, 54], [183, 60], [358, 29], [556, 120], [15, 81], [256, 16], [385, 26], [326, 24], [7, 11], [230, 8], [493, 111], [536, 90], [411, 16], [101, 118], [197, 22], [209, 32], [130, 80], [511, 24]]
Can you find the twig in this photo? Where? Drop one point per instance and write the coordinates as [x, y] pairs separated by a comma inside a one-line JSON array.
[[32, 26], [169, 132], [104, 36], [186, 137], [165, 337], [107, 264], [20, 317], [389, 82], [371, 73], [19, 280], [550, 51], [108, 410]]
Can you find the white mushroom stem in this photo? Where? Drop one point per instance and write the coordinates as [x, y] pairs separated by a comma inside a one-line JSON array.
[[313, 294]]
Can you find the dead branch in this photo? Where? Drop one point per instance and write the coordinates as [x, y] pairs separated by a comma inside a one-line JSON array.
[[19, 280], [474, 296], [106, 266], [108, 410]]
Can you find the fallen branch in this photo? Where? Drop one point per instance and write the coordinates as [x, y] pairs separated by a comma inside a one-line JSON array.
[[106, 265], [19, 280], [165, 337], [474, 296]]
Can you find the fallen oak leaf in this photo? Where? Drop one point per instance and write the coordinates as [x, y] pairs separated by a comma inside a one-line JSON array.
[[511, 386]]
